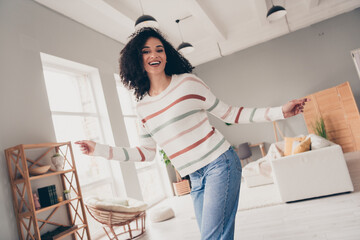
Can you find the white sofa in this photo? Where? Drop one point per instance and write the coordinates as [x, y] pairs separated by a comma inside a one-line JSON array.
[[253, 175], [312, 174]]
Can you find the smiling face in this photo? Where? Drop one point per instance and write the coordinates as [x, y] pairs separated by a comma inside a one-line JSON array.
[[154, 56]]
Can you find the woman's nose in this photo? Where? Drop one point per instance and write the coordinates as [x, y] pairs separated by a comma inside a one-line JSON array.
[[153, 54]]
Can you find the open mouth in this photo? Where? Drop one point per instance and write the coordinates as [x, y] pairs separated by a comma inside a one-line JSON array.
[[155, 63]]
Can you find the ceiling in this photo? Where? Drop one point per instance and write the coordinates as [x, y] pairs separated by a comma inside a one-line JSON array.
[[215, 28]]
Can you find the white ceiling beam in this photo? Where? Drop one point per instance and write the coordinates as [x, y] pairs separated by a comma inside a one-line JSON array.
[[261, 8], [110, 9], [197, 9], [123, 9], [313, 3]]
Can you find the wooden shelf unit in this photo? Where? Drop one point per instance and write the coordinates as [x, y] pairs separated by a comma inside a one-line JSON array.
[[28, 222]]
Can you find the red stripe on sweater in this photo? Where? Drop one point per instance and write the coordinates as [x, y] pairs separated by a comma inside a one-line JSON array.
[[194, 145], [141, 154], [190, 96], [227, 113], [184, 132], [180, 83], [266, 115], [238, 115]]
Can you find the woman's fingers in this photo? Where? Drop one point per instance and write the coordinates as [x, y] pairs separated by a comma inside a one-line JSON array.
[[84, 146]]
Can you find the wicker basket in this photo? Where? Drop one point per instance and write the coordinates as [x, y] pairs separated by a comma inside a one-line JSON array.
[[130, 222], [182, 187], [39, 170]]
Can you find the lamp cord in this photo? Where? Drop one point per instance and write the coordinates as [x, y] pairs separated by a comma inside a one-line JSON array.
[[218, 45], [142, 10], [178, 23], [287, 23]]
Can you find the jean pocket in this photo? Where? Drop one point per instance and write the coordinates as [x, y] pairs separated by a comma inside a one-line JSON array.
[[195, 179], [238, 164], [237, 161]]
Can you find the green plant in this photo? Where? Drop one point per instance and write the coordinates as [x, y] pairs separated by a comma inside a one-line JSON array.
[[56, 155], [67, 191], [164, 157], [319, 127], [167, 161]]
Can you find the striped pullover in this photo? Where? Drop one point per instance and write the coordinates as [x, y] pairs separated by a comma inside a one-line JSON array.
[[176, 120]]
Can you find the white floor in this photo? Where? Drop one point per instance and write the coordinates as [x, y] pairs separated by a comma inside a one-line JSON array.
[[329, 218]]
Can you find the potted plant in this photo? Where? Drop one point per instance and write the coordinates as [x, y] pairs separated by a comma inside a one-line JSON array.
[[58, 160], [319, 127], [181, 186], [67, 194]]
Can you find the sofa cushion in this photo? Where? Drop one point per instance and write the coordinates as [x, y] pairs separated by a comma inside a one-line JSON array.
[[161, 214], [116, 204], [318, 142], [303, 146], [289, 144]]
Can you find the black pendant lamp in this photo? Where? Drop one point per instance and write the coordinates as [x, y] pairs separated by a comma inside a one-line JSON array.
[[184, 47], [145, 20], [275, 12]]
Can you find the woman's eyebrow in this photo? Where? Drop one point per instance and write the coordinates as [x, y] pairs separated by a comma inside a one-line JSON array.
[[156, 46]]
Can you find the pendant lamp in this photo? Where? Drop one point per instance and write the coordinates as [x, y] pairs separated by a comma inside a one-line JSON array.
[[275, 12], [145, 20], [184, 47]]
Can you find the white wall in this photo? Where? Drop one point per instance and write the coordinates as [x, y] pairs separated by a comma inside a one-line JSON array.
[[291, 66], [26, 29]]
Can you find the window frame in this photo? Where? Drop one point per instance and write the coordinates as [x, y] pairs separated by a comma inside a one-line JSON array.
[[356, 58], [141, 167]]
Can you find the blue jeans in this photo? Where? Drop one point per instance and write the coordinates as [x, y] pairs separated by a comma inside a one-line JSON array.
[[215, 192]]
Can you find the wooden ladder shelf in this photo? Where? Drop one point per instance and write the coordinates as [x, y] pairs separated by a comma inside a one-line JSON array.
[[29, 221]]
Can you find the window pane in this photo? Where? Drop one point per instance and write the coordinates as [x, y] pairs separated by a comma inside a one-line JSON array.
[[356, 58], [73, 128], [151, 187], [68, 93], [105, 191], [126, 98], [132, 130], [148, 174]]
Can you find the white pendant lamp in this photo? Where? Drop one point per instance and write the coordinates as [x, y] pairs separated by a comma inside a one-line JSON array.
[[184, 47], [275, 12], [145, 20]]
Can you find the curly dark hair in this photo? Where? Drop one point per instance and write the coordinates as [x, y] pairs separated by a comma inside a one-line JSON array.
[[132, 72]]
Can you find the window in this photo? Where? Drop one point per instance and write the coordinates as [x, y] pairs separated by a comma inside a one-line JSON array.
[[75, 109], [356, 57], [149, 173]]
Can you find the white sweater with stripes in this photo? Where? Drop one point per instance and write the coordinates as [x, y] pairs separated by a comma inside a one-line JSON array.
[[176, 120]]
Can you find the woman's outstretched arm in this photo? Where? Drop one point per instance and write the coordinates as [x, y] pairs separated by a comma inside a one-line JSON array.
[[239, 114], [144, 152]]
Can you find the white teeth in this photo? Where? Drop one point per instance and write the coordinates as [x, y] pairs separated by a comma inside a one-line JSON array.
[[154, 63]]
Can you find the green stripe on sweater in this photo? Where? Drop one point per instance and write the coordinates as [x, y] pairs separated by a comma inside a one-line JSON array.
[[126, 154], [252, 115], [171, 121], [213, 106], [203, 157]]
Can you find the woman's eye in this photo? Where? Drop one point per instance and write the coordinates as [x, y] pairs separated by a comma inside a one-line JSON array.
[[145, 52], [160, 50]]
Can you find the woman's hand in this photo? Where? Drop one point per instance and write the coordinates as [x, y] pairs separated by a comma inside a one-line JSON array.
[[294, 107], [86, 146]]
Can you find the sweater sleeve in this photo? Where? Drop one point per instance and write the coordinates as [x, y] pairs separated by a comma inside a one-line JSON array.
[[145, 152], [232, 114]]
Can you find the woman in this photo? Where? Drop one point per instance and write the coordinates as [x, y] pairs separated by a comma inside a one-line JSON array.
[[172, 106]]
